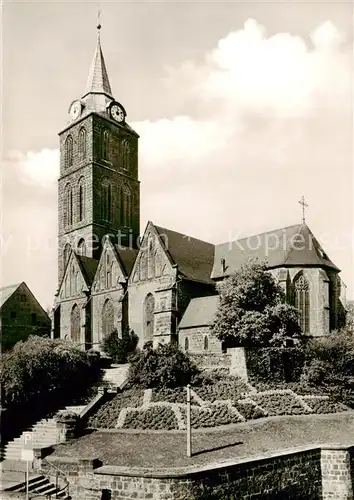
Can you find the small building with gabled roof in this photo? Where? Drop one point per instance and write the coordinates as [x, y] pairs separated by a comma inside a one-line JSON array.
[[20, 315]]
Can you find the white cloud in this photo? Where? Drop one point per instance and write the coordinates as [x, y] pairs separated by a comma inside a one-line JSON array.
[[269, 120]]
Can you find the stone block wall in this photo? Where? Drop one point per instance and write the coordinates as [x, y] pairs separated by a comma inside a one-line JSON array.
[[194, 340], [337, 472]]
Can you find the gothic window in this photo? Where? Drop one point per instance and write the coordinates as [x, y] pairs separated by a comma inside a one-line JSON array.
[[69, 144], [186, 344], [125, 154], [206, 343], [75, 324], [107, 318], [143, 267], [81, 199], [158, 264], [66, 255], [77, 283], [68, 205], [151, 258], [105, 145], [72, 281], [302, 301], [149, 306], [82, 143], [126, 206], [108, 272], [106, 200], [81, 247]]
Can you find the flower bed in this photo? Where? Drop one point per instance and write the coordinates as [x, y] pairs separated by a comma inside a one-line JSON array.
[[249, 410], [177, 395], [106, 416], [214, 416], [224, 389], [320, 405], [279, 404], [154, 418]]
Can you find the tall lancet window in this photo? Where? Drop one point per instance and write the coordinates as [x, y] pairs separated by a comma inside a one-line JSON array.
[[82, 143], [302, 301], [106, 200], [81, 199], [105, 145], [68, 151], [126, 206], [68, 205]]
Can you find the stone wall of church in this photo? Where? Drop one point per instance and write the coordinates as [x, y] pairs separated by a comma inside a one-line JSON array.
[[66, 307], [198, 339]]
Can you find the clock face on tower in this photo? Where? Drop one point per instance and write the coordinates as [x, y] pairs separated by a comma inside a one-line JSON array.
[[75, 110], [117, 112]]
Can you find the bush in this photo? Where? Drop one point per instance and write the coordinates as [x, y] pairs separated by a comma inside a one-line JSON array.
[[275, 364], [154, 418], [166, 366], [120, 348], [316, 372]]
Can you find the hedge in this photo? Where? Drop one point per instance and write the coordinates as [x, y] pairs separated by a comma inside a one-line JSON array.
[[275, 364]]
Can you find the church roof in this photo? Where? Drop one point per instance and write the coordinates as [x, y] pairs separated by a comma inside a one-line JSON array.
[[127, 257], [200, 312], [291, 246], [6, 292], [88, 267], [194, 257], [98, 81]]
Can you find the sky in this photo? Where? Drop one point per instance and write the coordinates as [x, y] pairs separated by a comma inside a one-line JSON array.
[[241, 107]]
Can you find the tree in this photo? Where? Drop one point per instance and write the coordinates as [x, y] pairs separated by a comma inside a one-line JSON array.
[[120, 348], [252, 309]]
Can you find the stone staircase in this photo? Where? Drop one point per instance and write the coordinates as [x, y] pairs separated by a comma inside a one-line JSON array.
[[40, 487], [115, 375], [44, 433]]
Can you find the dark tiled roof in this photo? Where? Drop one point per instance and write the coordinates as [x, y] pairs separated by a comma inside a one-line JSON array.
[[287, 247], [89, 267], [127, 257], [194, 257], [6, 292], [200, 312]]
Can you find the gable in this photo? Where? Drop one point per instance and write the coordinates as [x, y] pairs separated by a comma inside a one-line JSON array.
[[110, 273], [152, 260], [286, 247], [6, 292], [74, 281]]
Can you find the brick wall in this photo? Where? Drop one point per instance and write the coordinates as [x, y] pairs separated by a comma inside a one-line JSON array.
[[337, 474]]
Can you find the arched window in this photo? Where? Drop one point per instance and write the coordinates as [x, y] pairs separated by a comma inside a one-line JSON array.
[[126, 206], [186, 344], [149, 306], [72, 281], [105, 145], [125, 154], [81, 199], [206, 343], [68, 205], [108, 272], [82, 143], [66, 254], [143, 267], [81, 247], [69, 144], [75, 324], [151, 257], [106, 200], [302, 301], [107, 317], [78, 288], [158, 264]]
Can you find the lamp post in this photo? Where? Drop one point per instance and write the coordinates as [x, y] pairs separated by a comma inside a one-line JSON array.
[[189, 430]]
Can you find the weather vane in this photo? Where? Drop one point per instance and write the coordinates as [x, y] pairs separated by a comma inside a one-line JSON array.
[[98, 17], [304, 205]]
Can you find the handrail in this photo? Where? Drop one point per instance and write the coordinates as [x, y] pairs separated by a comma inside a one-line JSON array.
[[58, 472], [55, 467]]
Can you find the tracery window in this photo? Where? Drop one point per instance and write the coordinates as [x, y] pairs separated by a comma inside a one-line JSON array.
[[107, 317], [68, 206], [81, 199], [106, 200], [302, 301], [126, 206], [69, 145], [105, 145], [75, 324], [82, 143], [81, 247]]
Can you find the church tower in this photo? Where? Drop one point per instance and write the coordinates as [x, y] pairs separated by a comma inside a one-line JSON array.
[[99, 190]]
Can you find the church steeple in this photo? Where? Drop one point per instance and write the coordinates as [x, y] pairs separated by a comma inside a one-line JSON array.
[[98, 81]]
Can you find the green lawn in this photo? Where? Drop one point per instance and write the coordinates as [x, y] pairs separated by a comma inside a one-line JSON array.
[[162, 449]]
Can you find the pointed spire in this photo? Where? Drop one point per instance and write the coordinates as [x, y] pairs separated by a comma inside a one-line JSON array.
[[98, 82]]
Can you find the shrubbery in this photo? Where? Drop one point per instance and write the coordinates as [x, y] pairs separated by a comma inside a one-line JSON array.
[[275, 364], [120, 348], [40, 366], [165, 366]]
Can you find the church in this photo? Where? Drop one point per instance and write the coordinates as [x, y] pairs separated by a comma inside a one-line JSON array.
[[161, 284]]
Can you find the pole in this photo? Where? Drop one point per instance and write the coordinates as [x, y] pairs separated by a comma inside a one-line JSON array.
[[27, 474], [189, 431]]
